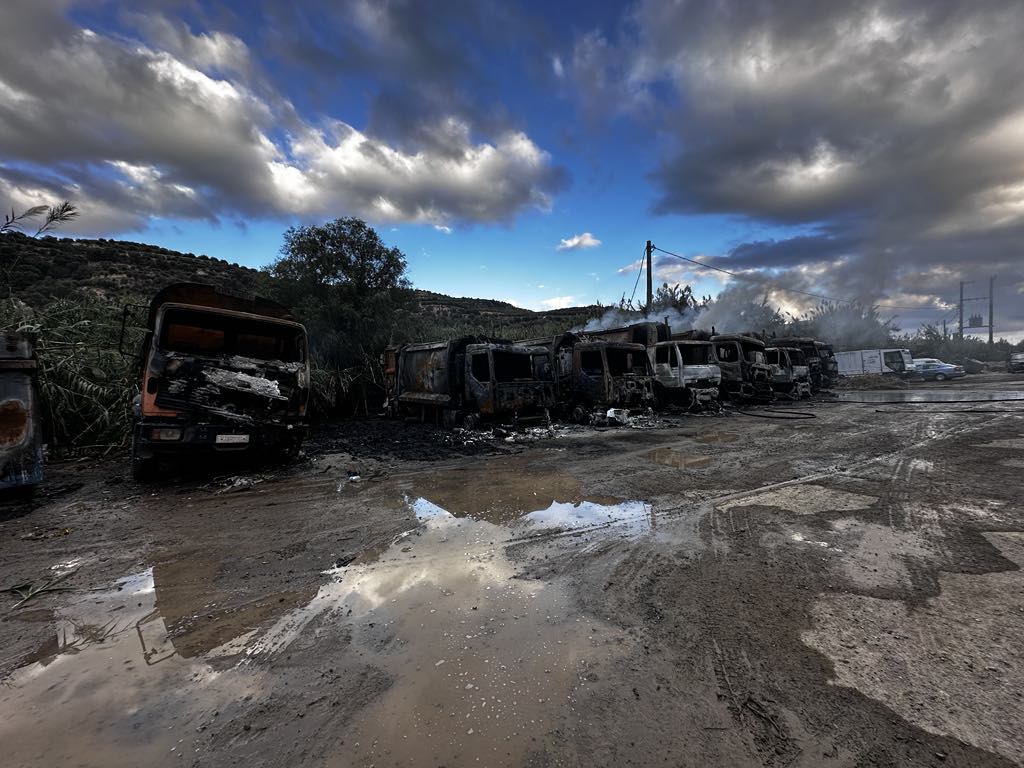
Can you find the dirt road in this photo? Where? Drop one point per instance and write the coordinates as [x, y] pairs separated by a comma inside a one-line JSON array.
[[707, 591]]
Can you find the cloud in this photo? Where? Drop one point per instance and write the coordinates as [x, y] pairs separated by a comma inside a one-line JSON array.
[[578, 242], [174, 127], [557, 302], [890, 136]]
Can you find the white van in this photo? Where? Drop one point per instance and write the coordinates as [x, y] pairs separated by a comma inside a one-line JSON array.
[[859, 362]]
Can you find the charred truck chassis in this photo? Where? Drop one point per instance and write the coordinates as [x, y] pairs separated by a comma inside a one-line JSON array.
[[594, 374], [745, 374], [468, 379], [809, 347], [790, 373], [21, 442], [220, 373], [686, 374]]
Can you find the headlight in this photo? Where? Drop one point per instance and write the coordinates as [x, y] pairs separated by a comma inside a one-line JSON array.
[[165, 434]]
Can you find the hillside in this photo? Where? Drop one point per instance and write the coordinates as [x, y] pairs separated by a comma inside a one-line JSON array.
[[120, 271], [52, 268]]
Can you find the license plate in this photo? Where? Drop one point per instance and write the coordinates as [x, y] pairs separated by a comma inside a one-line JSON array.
[[232, 439]]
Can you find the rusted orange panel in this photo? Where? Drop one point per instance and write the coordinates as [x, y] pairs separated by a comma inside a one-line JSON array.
[[13, 422]]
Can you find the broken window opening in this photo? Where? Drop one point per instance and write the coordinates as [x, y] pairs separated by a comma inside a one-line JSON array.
[[772, 356], [663, 355], [797, 357], [727, 353], [480, 367], [621, 362], [210, 334], [696, 354], [512, 366], [591, 362]]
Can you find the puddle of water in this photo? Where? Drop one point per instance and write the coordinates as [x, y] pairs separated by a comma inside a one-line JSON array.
[[929, 396], [804, 500], [670, 457], [716, 437], [484, 663], [502, 492], [108, 689]]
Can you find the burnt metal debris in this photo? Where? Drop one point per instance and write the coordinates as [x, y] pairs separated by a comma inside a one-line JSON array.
[[21, 439], [218, 372]]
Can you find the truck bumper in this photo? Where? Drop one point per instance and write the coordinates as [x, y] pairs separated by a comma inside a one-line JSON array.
[[204, 436]]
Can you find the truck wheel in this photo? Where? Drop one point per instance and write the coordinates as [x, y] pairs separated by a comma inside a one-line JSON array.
[[144, 469]]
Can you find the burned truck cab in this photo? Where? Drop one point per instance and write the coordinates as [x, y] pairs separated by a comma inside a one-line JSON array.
[[809, 347], [790, 374], [606, 374], [21, 439], [686, 373], [745, 371], [503, 379], [829, 364], [219, 373], [468, 378]]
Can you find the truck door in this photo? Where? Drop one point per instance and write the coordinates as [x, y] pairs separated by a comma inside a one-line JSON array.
[[479, 382], [893, 360]]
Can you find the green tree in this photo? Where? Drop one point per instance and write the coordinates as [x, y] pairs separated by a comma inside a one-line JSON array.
[[345, 284]]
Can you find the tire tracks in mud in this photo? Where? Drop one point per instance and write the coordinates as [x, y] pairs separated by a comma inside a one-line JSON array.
[[741, 619]]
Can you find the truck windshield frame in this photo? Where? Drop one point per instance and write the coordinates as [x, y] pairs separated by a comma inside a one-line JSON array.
[[202, 333], [695, 354], [512, 366]]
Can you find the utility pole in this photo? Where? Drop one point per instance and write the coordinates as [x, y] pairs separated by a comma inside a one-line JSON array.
[[991, 308], [944, 335], [650, 284], [960, 332]]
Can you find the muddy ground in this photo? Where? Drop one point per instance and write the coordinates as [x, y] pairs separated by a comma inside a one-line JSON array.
[[724, 590]]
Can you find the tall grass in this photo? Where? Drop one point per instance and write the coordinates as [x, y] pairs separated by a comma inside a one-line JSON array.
[[86, 386]]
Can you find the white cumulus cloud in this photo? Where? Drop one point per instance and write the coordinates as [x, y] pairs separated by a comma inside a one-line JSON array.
[[577, 242]]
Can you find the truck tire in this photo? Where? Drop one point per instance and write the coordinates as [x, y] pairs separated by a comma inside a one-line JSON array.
[[144, 469]]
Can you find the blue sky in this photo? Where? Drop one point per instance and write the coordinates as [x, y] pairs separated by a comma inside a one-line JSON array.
[[871, 151]]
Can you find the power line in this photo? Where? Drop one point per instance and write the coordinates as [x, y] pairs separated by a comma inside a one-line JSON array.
[[741, 276]]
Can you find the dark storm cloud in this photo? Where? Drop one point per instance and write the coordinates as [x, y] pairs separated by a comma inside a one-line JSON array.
[[427, 60], [893, 131], [185, 123]]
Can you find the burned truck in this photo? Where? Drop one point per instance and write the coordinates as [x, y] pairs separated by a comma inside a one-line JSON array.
[[466, 379], [811, 351], [829, 364], [591, 374], [684, 367], [21, 440], [745, 371], [219, 372], [790, 372]]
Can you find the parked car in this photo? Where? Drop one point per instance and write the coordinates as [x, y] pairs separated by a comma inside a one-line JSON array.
[[1016, 363], [932, 369]]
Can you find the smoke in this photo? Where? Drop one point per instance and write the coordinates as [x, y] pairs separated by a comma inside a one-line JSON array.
[[617, 318], [736, 309]]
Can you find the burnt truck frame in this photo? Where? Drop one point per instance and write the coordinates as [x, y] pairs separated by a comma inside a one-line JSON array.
[[467, 379], [21, 438], [684, 369], [594, 373], [812, 351], [790, 372], [745, 371], [219, 372]]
